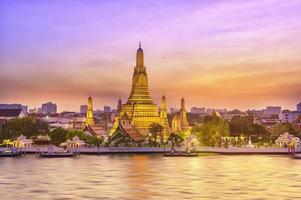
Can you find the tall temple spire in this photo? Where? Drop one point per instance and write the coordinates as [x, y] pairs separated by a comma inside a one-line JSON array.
[[89, 117], [182, 103], [139, 57], [140, 92], [163, 113]]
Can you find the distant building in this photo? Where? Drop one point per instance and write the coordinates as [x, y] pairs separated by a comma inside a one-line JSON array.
[[196, 110], [33, 110], [221, 111], [107, 109], [272, 110], [289, 116], [14, 106], [8, 114], [49, 108], [83, 109], [299, 107], [172, 110]]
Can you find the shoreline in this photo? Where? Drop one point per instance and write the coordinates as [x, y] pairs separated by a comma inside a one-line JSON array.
[[160, 150]]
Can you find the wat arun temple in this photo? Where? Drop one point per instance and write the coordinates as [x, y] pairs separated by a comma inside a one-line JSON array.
[[136, 116]]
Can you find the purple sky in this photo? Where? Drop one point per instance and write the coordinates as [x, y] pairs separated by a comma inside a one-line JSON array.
[[233, 54]]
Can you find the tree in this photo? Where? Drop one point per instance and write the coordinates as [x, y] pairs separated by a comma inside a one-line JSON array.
[[156, 131], [241, 125], [212, 130], [279, 129], [259, 131], [92, 140], [28, 126], [58, 136], [175, 139]]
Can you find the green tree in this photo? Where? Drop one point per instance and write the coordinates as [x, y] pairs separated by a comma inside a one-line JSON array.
[[279, 129], [28, 126], [156, 131], [212, 130], [90, 140], [58, 136], [175, 139], [260, 132], [241, 125]]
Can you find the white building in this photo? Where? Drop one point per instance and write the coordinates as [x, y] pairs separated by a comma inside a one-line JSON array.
[[289, 116]]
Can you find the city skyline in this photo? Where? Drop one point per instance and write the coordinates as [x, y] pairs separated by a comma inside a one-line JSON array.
[[232, 54]]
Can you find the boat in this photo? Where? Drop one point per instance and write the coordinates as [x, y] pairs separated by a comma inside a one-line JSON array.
[[10, 153], [56, 154], [296, 156], [180, 154]]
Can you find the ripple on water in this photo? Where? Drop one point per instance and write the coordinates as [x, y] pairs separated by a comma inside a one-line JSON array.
[[151, 177]]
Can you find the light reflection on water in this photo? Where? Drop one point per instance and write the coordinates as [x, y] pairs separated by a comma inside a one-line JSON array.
[[151, 177]]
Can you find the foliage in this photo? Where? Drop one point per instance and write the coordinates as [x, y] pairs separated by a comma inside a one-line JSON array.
[[156, 134], [212, 130], [29, 126], [260, 131], [175, 139], [241, 125], [279, 129], [90, 140], [58, 136]]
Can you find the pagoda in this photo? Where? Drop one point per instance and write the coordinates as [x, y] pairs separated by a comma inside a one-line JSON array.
[[89, 115], [140, 109]]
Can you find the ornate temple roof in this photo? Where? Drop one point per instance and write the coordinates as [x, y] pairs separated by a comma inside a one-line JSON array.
[[131, 132]]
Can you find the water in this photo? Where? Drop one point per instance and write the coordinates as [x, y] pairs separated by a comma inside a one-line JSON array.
[[151, 177]]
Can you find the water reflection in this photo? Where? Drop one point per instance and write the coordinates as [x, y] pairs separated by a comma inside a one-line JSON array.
[[151, 177]]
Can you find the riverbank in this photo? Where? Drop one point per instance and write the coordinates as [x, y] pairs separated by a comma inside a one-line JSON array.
[[152, 150]]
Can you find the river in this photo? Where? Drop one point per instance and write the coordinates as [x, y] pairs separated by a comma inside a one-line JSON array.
[[151, 177]]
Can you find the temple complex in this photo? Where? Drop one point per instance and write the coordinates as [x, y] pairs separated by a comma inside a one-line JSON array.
[[139, 112]]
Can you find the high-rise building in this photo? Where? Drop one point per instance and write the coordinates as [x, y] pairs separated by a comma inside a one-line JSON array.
[[107, 109], [83, 109], [272, 110], [49, 108], [89, 117], [14, 106], [299, 107], [139, 112]]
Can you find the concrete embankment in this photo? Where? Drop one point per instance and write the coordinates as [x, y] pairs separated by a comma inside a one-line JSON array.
[[149, 150]]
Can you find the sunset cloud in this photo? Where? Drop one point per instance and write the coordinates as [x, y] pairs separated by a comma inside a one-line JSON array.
[[233, 54]]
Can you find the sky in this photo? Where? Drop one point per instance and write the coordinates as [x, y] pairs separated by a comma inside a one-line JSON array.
[[216, 54]]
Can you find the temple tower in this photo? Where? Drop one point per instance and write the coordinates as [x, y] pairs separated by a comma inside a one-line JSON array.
[[89, 117], [183, 113], [140, 108], [179, 121], [163, 113], [119, 105]]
